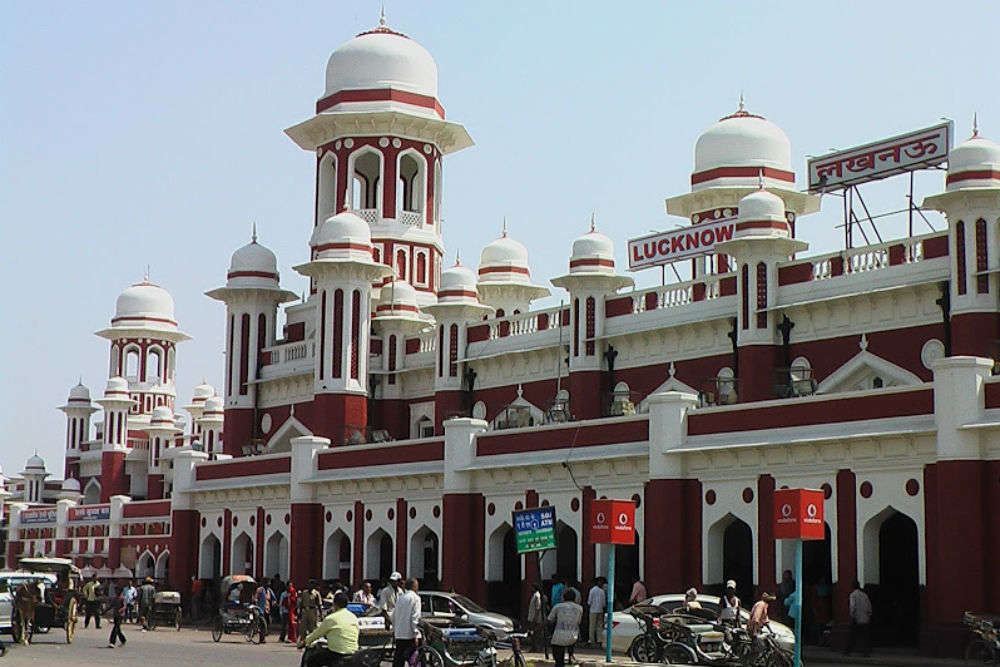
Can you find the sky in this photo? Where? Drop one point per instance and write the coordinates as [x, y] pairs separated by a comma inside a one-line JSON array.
[[142, 133]]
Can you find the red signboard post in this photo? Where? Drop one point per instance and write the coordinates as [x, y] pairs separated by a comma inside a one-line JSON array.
[[611, 522], [798, 515]]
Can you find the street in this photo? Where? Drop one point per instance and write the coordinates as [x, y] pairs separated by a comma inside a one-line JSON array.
[[166, 648]]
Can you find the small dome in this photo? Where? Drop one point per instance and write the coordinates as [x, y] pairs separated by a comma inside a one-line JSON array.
[[145, 301], [457, 279], [252, 266], [116, 386], [379, 59], [35, 463], [397, 297], [162, 416], [339, 237], [504, 260], [79, 393], [593, 253], [213, 405], [762, 205], [975, 163], [203, 391], [70, 484]]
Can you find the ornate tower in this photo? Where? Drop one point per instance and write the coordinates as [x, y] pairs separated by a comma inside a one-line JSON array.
[[379, 134], [78, 410], [342, 271], [251, 294], [116, 402]]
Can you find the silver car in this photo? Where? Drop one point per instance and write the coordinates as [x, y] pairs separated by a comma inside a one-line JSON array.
[[624, 627], [452, 605]]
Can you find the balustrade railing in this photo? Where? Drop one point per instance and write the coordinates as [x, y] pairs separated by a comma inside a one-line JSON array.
[[679, 294], [867, 258], [523, 324]]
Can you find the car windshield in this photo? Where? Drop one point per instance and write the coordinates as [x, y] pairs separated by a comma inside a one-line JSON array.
[[468, 604]]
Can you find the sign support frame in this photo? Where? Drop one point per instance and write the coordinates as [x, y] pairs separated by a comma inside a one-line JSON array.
[[610, 603]]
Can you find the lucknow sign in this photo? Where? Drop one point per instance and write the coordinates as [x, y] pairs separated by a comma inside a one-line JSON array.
[[535, 529], [673, 246], [880, 159]]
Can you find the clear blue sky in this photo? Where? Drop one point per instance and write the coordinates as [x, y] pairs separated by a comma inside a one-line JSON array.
[[151, 133]]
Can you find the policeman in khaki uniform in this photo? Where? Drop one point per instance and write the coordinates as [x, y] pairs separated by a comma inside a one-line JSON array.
[[310, 604]]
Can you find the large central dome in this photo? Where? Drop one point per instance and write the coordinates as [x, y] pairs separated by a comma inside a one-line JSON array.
[[743, 140], [379, 59]]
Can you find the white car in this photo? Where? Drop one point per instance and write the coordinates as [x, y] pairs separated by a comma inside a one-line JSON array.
[[624, 627], [9, 580], [452, 605]]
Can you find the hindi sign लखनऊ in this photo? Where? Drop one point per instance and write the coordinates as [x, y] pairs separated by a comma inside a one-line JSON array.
[[535, 529]]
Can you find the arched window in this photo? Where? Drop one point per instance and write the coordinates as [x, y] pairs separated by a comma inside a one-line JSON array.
[[322, 334], [132, 363], [392, 358], [355, 332], [261, 340], [326, 187], [421, 268], [115, 361], [229, 356], [401, 264], [154, 365], [745, 289], [591, 324], [244, 353], [437, 190], [367, 167], [960, 256], [441, 351], [409, 195], [453, 351], [761, 295], [982, 259], [338, 333]]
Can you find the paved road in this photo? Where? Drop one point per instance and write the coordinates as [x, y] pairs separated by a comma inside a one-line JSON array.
[[164, 648]]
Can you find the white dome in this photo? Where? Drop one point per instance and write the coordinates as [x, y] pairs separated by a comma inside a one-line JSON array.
[[203, 391], [504, 260], [162, 415], [35, 463], [71, 484], [762, 205], [213, 405], [743, 140], [116, 385], [974, 163], [255, 258], [345, 227], [145, 301], [593, 253], [396, 297], [378, 59], [79, 393], [458, 279]]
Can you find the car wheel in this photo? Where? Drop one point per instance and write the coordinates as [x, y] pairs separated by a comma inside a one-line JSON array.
[[643, 649]]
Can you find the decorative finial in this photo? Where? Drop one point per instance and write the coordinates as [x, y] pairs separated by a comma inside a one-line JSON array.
[[381, 17], [760, 178], [520, 390], [458, 258], [975, 124], [672, 369], [863, 344], [593, 224], [503, 231], [146, 275], [253, 232], [741, 107]]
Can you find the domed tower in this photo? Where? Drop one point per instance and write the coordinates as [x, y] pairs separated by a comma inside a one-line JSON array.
[[504, 277], [591, 279], [729, 158], [252, 294], [761, 239], [457, 306], [117, 402], [971, 202], [34, 475], [343, 272], [201, 393], [78, 410], [379, 135], [162, 431], [144, 336], [210, 426]]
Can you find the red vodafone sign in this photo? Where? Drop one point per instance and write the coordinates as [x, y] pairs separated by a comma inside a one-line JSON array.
[[798, 514], [612, 522]]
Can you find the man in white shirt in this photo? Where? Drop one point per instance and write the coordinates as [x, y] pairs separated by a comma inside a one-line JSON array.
[[389, 593], [860, 607], [597, 604], [364, 594], [405, 617]]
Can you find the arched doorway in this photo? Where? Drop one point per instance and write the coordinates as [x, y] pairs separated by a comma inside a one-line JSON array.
[[424, 557], [379, 556], [162, 568], [145, 566], [503, 585], [337, 561], [210, 558], [276, 556], [242, 555], [92, 492], [730, 556], [566, 552], [892, 577]]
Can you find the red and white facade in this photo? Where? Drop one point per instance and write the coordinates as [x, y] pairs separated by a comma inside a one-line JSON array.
[[403, 411]]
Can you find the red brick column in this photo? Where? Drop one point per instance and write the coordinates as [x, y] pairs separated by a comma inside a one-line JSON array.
[[463, 532], [258, 544], [184, 548], [113, 480], [306, 541], [588, 554], [227, 542], [401, 545], [847, 552], [676, 532], [358, 545], [766, 580]]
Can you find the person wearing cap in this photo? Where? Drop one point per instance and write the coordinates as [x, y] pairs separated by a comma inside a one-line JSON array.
[[729, 606], [691, 599], [340, 628], [390, 593], [310, 603], [146, 594], [758, 614]]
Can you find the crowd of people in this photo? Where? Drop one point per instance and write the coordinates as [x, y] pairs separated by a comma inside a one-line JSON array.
[[124, 601]]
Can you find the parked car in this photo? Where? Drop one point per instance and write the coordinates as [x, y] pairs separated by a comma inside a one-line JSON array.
[[11, 579], [453, 605], [624, 627]]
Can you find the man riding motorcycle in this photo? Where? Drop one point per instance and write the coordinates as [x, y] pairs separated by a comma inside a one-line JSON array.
[[340, 629]]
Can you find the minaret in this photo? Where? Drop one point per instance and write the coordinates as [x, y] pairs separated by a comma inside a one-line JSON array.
[[505, 278], [761, 240], [202, 393], [210, 426], [116, 403], [342, 270], [34, 475], [379, 136], [591, 279], [457, 306], [252, 295], [971, 203], [162, 431], [78, 410]]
